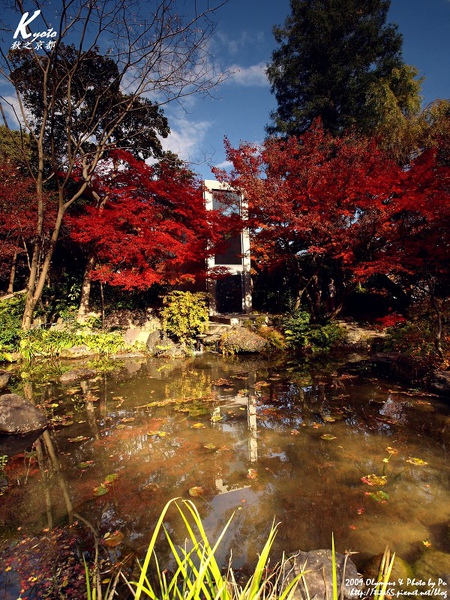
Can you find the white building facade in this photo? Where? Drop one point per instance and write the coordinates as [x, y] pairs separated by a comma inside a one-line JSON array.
[[231, 291]]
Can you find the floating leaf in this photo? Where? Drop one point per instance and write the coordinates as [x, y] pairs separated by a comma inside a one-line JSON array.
[[127, 420], [210, 447], [252, 474], [295, 431], [101, 490], [379, 496], [79, 438], [158, 433], [85, 464], [416, 461], [427, 543], [329, 419], [391, 450], [198, 426], [113, 539], [196, 491], [328, 436], [374, 479], [153, 487], [216, 418], [111, 478]]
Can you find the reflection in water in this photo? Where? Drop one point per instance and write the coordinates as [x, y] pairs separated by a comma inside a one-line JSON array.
[[321, 453]]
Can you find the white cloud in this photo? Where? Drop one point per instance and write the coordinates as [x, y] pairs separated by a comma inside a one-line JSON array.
[[187, 137], [225, 164], [236, 44], [255, 75], [11, 108]]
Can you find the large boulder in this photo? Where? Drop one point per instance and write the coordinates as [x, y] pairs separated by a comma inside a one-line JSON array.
[[19, 417], [440, 382], [158, 344], [240, 340], [434, 566], [402, 574], [76, 375], [317, 580]]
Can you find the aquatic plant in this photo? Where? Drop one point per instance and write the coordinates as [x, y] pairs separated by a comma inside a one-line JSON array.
[[197, 573]]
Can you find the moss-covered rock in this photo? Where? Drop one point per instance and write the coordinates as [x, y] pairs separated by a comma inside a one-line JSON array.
[[433, 565], [240, 340], [402, 573]]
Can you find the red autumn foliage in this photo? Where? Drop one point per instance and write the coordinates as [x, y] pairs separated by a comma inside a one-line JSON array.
[[339, 209], [148, 226], [18, 215]]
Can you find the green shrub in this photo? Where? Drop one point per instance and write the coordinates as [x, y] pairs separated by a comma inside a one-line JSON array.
[[316, 338], [50, 342], [415, 341], [185, 315], [11, 312]]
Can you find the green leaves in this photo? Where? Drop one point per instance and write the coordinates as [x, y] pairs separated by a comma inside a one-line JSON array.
[[185, 315]]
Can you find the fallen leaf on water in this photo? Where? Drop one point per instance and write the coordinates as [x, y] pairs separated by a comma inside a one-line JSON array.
[[329, 419], [374, 479], [416, 461], [79, 438], [153, 487], [101, 490], [113, 539], [85, 464], [294, 432], [379, 496], [198, 426], [111, 478], [391, 450], [127, 420], [210, 447], [160, 434], [215, 418], [427, 543], [196, 491], [252, 474], [327, 436]]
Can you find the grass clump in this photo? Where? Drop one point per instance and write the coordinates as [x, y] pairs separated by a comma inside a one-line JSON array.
[[197, 574]]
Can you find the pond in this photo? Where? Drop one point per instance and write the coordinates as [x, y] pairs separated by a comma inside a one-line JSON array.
[[320, 451]]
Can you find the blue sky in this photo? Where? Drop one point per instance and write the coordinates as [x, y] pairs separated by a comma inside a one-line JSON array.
[[243, 41]]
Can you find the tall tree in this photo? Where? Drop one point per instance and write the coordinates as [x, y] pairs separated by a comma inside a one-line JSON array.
[[332, 55], [152, 226], [317, 206], [68, 89]]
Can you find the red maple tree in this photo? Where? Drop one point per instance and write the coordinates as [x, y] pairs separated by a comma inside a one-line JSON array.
[[148, 226], [318, 206], [18, 221]]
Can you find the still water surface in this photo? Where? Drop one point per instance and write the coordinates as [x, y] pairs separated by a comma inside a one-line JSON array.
[[318, 451]]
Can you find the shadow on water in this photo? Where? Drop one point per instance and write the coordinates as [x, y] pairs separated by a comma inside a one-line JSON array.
[[321, 452]]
